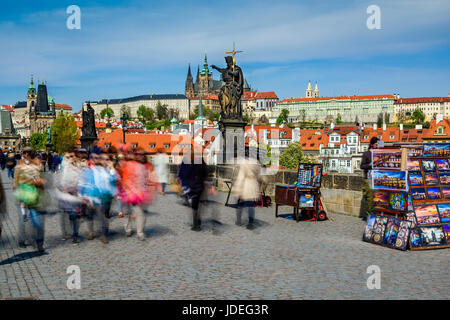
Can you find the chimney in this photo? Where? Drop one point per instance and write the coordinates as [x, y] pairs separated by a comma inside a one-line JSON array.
[[401, 126], [384, 126], [418, 126], [374, 126]]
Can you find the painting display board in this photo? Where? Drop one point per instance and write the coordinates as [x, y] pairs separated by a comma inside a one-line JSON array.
[[389, 226], [309, 175], [429, 204]]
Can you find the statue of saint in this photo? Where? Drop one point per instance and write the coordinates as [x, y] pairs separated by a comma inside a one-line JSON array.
[[231, 92], [49, 136], [88, 129]]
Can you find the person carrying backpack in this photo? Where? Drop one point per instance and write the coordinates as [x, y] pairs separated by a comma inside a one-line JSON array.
[[11, 164]]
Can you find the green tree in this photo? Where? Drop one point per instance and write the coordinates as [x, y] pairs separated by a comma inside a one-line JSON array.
[[293, 155], [145, 114], [418, 117], [126, 110], [206, 112], [380, 120], [162, 111], [339, 119], [64, 133], [38, 141], [283, 117], [267, 150], [107, 112]]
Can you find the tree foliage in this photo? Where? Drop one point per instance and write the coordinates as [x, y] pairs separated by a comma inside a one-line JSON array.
[[145, 114], [283, 117], [38, 141], [418, 116], [64, 133], [107, 112], [293, 155], [339, 119], [126, 110], [162, 111]]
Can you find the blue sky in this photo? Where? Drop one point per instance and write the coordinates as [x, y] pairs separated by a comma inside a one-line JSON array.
[[127, 48]]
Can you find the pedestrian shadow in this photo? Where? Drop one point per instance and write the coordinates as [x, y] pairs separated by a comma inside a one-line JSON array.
[[22, 257], [158, 231]]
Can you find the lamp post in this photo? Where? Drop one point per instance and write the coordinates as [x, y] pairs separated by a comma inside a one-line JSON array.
[[124, 119]]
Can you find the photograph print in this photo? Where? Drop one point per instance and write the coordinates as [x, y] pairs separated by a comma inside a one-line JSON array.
[[444, 212], [403, 235], [445, 192], [432, 236], [428, 165], [415, 179], [414, 151], [436, 150], [386, 159], [434, 193], [411, 217], [426, 214], [446, 228], [431, 179], [444, 178], [368, 231], [414, 238], [378, 229], [418, 194], [413, 165], [442, 165], [391, 231], [389, 180]]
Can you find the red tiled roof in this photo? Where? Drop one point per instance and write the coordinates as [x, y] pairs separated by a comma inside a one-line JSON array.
[[208, 97], [7, 107], [248, 95], [272, 132], [266, 95], [422, 100], [385, 135], [431, 133], [63, 106], [310, 140], [369, 97]]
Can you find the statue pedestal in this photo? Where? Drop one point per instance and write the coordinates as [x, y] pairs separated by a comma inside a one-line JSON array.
[[233, 140], [87, 142]]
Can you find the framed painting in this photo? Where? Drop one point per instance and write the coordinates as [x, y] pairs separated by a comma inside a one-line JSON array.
[[426, 214]]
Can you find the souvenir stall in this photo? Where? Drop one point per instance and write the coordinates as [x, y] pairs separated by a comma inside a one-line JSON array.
[[411, 198], [304, 196]]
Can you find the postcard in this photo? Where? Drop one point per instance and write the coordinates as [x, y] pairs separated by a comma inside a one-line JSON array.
[[403, 234], [418, 194], [389, 180], [436, 150], [434, 193], [431, 236], [446, 228], [416, 179], [444, 177], [427, 214], [442, 164], [386, 159], [444, 212], [413, 165], [431, 179], [428, 165], [445, 192]]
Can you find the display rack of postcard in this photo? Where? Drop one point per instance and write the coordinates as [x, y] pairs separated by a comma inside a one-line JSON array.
[[388, 225], [429, 197]]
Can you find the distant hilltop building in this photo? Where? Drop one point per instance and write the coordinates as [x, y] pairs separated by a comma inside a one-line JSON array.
[[204, 83], [310, 93], [38, 112]]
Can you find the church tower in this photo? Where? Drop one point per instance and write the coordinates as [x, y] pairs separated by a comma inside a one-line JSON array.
[[189, 89], [309, 91], [31, 96], [205, 78], [316, 91]]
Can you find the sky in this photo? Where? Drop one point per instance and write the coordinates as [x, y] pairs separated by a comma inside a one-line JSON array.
[[129, 48]]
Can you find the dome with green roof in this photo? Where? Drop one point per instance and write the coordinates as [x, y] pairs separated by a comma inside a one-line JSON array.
[[50, 100]]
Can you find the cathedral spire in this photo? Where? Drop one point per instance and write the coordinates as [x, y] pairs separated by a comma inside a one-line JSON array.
[[316, 91], [309, 91]]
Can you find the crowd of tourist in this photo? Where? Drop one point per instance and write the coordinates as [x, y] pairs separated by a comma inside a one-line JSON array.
[[85, 184]]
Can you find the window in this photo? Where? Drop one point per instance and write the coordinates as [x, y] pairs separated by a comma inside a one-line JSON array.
[[391, 137], [166, 146], [152, 146]]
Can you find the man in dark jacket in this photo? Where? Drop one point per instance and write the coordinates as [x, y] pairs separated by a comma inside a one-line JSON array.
[[366, 165]]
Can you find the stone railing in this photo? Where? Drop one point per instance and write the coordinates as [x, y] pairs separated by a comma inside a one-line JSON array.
[[342, 193]]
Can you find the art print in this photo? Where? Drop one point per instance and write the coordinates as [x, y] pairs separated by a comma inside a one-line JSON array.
[[378, 229], [431, 179], [442, 164], [416, 179], [444, 178], [413, 165], [436, 150], [434, 193], [426, 214], [432, 236], [414, 238], [428, 165], [403, 235], [446, 228], [414, 151], [411, 217], [368, 231], [391, 232], [418, 194], [386, 159], [389, 180], [444, 212], [445, 192]]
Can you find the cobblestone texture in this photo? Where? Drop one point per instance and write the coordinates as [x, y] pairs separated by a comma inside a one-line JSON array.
[[280, 259]]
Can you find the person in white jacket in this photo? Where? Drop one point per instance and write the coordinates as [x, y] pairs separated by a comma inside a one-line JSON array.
[[161, 165]]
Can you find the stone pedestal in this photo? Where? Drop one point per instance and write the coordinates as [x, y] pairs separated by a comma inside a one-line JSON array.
[[87, 142], [233, 140]]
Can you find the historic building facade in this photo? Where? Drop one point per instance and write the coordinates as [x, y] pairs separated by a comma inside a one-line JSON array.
[[326, 109], [430, 106]]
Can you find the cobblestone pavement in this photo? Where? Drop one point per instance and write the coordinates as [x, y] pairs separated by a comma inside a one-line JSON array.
[[280, 259]]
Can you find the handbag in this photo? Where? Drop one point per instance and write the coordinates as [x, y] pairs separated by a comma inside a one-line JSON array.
[[27, 194]]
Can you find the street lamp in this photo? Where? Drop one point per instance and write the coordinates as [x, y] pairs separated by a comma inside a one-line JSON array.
[[124, 119]]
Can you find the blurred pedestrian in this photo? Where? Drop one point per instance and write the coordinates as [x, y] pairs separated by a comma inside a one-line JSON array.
[[161, 165], [11, 164], [29, 191], [2, 160]]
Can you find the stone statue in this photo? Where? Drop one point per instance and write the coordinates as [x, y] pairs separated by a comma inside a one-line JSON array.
[[231, 92], [49, 136], [88, 129]]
